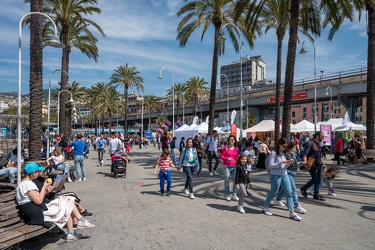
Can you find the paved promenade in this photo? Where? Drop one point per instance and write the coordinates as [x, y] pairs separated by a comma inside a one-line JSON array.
[[130, 214]]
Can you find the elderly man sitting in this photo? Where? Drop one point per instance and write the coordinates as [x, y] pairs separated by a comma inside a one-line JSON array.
[[11, 167]]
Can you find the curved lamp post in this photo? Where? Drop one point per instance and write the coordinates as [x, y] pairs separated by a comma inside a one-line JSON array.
[[53, 42], [58, 107], [302, 52], [196, 108], [226, 77], [330, 106], [49, 105], [161, 77], [240, 35]]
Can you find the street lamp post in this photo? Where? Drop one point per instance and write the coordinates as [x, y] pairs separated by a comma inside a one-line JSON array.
[[53, 42], [303, 51], [58, 108], [226, 77], [49, 106], [183, 108], [331, 104], [240, 35], [247, 113], [201, 111], [161, 77], [142, 116]]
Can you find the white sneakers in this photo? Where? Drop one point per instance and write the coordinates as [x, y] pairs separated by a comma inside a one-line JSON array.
[[266, 211], [73, 237], [300, 209], [192, 196], [331, 193], [278, 203], [227, 198], [211, 174], [215, 172], [235, 198], [240, 209], [186, 191], [84, 224], [295, 217]]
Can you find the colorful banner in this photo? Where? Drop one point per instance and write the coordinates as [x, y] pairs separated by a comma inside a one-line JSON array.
[[327, 130]]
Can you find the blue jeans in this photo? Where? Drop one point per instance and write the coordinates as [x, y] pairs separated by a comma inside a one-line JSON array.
[[228, 173], [63, 167], [281, 193], [173, 156], [79, 163], [277, 181], [165, 176], [315, 173], [189, 177], [11, 171]]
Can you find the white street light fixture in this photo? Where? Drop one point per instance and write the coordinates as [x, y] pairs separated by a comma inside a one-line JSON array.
[[302, 52], [161, 77], [58, 107], [49, 105], [196, 108], [223, 40], [54, 43], [331, 104]]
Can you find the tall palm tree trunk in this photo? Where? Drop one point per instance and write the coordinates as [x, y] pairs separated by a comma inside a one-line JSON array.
[[289, 70], [110, 123], [215, 61], [178, 108], [36, 79], [149, 119], [126, 89], [65, 122], [278, 86], [370, 100]]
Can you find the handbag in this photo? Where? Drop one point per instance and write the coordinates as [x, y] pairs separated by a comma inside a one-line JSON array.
[[310, 162]]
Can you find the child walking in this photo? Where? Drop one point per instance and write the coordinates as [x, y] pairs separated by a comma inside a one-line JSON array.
[[164, 162], [327, 177], [242, 180]]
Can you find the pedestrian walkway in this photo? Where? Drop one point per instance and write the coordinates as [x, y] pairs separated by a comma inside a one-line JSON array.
[[130, 213]]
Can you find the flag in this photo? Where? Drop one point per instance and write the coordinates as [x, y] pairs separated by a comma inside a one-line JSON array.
[[346, 119]]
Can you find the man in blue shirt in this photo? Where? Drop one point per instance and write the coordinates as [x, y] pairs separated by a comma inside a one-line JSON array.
[[80, 148], [100, 144]]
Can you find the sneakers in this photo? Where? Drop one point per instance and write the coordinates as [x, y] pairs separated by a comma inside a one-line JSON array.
[[84, 224], [84, 178], [227, 198], [331, 193], [79, 179], [320, 198], [186, 191], [300, 209], [240, 209], [215, 172], [192, 196], [266, 211], [69, 179], [303, 192], [86, 213], [235, 198], [295, 217], [73, 237], [168, 193], [161, 194], [278, 203], [311, 190], [211, 174]]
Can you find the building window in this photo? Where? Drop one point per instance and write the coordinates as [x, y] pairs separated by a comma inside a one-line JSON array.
[[304, 115], [293, 114], [304, 109], [294, 121], [325, 117], [337, 111]]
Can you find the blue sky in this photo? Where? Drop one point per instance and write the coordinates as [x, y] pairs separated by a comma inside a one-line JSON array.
[[143, 33]]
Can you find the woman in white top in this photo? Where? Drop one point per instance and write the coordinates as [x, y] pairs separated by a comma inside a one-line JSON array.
[[59, 160]]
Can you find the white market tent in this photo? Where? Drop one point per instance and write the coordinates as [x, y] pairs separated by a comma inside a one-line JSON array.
[[263, 126], [351, 127], [186, 132], [183, 127], [302, 126]]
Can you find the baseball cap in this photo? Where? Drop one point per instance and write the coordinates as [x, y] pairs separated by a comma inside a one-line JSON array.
[[33, 167]]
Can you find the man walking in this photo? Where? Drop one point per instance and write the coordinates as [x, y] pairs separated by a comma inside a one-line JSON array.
[[212, 142], [100, 145], [114, 145], [80, 149], [312, 149], [339, 149]]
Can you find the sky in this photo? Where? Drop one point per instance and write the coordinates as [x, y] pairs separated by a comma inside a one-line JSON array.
[[143, 33]]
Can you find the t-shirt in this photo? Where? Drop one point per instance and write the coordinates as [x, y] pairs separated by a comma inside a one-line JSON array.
[[57, 159], [339, 145], [14, 159], [21, 192], [212, 143], [250, 156], [164, 163], [231, 153], [114, 145]]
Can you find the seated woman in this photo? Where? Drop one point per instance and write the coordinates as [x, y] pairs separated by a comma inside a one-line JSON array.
[[59, 211], [59, 160]]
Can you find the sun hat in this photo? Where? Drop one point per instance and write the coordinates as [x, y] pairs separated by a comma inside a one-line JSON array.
[[33, 167]]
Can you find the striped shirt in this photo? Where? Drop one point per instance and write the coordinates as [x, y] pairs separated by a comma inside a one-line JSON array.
[[164, 163]]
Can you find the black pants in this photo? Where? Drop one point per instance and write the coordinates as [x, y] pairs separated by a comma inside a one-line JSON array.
[[338, 158]]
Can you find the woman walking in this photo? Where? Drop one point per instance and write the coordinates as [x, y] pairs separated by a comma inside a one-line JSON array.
[[189, 162]]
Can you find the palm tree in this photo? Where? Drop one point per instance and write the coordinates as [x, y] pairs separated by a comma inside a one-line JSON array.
[[179, 91], [203, 13], [196, 90], [129, 78], [36, 79], [71, 18], [153, 104], [160, 120], [252, 118]]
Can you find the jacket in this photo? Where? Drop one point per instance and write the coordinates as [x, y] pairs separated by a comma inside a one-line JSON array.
[[184, 157]]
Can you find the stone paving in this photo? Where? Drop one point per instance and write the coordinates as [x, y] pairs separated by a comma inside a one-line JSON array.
[[130, 213]]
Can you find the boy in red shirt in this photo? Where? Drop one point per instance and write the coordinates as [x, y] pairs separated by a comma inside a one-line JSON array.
[[164, 162]]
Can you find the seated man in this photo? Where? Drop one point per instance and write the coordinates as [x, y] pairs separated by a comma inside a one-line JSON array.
[[11, 169], [3, 159]]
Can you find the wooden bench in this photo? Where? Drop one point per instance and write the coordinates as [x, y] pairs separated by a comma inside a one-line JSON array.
[[369, 154], [13, 230]]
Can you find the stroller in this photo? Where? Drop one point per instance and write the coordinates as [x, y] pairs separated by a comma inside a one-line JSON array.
[[69, 153], [119, 164]]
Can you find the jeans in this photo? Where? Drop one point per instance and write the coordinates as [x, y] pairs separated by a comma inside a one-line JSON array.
[[212, 155], [328, 183], [200, 164], [276, 181], [189, 177], [11, 171], [165, 176], [79, 163], [243, 194], [63, 167], [315, 173], [173, 156], [100, 153], [228, 173], [281, 193]]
